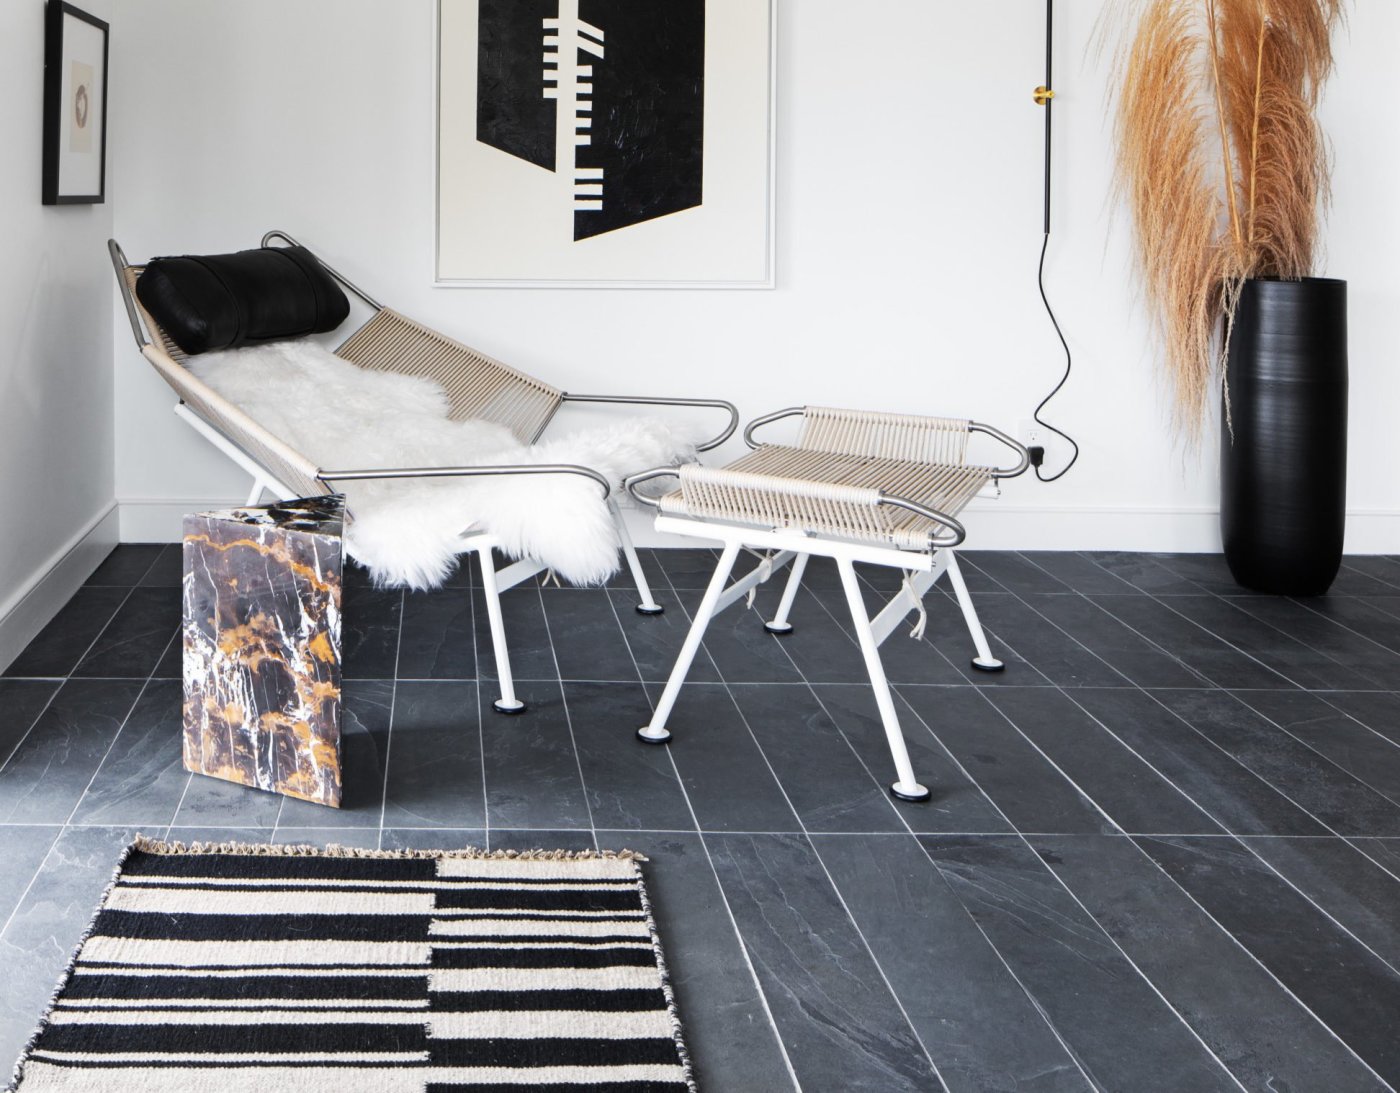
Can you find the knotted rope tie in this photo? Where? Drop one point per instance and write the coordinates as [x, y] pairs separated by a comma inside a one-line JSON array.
[[922, 624], [765, 570]]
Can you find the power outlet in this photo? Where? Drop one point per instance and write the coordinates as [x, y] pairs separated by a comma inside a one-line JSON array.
[[1031, 433]]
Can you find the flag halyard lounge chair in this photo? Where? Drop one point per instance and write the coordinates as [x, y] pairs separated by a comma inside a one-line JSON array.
[[476, 385], [855, 486]]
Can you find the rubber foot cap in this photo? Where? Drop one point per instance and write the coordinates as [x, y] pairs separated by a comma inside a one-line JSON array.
[[778, 627], [508, 708], [650, 608], [649, 735], [988, 665], [913, 792]]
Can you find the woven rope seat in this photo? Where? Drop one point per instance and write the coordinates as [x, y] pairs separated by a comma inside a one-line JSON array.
[[895, 479], [829, 493], [855, 486]]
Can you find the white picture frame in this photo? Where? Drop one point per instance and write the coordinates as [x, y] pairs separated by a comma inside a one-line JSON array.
[[677, 192]]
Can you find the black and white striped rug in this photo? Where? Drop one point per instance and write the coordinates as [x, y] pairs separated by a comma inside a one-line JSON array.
[[259, 968]]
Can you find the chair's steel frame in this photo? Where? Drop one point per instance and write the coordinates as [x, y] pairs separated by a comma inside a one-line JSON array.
[[482, 545], [793, 546]]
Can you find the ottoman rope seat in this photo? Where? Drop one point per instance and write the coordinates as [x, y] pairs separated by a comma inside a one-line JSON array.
[[855, 486]]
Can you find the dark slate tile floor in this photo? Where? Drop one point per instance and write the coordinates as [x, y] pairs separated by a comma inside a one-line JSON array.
[[1162, 851]]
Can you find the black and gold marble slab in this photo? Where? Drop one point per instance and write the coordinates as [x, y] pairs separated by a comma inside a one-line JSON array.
[[262, 594]]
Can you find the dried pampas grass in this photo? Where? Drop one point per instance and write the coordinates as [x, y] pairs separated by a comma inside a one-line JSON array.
[[1220, 161]]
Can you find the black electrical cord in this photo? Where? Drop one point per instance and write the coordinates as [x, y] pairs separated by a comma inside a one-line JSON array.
[[1045, 246], [1069, 365]]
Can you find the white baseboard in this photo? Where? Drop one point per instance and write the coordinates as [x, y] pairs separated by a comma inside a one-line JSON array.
[[39, 599], [161, 520], [991, 525]]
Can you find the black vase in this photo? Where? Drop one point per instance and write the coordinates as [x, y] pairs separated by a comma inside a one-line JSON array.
[[1283, 465]]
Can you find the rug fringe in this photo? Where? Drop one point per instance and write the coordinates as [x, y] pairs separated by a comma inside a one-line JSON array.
[[672, 1011], [291, 850], [67, 972]]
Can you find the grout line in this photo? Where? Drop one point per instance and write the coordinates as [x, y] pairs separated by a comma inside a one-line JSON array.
[[1111, 939], [1238, 602], [1383, 795], [1322, 696], [1209, 684], [709, 857], [1205, 630], [67, 679], [1127, 680], [1344, 625], [1150, 693], [870, 951], [568, 718], [1268, 865], [1259, 622], [389, 736], [1133, 838], [1267, 970], [480, 722], [821, 833], [68, 821], [117, 735], [1297, 805], [909, 829], [38, 716], [1027, 556], [1246, 596], [172, 826], [1370, 577], [33, 877], [1095, 804]]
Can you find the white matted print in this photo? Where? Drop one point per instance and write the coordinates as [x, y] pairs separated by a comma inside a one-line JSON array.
[[75, 106], [605, 143]]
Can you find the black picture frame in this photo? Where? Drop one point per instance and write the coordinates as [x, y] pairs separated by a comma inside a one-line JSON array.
[[57, 120]]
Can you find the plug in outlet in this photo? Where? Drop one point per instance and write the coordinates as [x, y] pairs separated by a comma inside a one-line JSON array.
[[1032, 436]]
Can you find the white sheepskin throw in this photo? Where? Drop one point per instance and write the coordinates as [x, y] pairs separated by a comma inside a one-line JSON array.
[[408, 532]]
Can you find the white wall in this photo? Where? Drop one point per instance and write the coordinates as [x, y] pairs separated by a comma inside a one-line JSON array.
[[908, 229], [56, 441]]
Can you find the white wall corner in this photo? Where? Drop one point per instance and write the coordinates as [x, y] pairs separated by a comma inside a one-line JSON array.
[[41, 597]]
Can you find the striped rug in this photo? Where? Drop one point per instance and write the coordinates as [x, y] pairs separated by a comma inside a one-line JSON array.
[[261, 968]]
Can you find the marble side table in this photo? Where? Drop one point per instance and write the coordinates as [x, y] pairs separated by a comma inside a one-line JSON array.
[[262, 591]]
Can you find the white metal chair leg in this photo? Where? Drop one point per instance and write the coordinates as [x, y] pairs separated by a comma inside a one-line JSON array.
[[906, 788], [648, 604], [507, 703], [779, 623], [656, 732], [255, 494], [983, 661]]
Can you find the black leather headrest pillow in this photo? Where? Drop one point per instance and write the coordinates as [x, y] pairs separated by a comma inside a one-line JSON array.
[[223, 301]]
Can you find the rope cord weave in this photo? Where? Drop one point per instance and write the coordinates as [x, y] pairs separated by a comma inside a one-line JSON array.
[[836, 478]]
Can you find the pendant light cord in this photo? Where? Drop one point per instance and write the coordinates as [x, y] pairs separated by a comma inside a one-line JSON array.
[[1045, 247]]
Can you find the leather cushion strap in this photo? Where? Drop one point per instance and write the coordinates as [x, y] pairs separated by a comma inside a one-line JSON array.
[[224, 301]]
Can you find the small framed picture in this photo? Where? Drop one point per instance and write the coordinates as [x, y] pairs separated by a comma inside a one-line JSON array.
[[75, 106]]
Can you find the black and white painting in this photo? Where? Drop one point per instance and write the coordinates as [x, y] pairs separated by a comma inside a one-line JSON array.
[[605, 142]]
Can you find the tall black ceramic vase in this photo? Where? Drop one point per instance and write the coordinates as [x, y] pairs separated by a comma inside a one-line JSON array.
[[1283, 465]]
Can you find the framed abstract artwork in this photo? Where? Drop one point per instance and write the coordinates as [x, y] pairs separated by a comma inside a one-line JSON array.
[[605, 143], [75, 106]]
